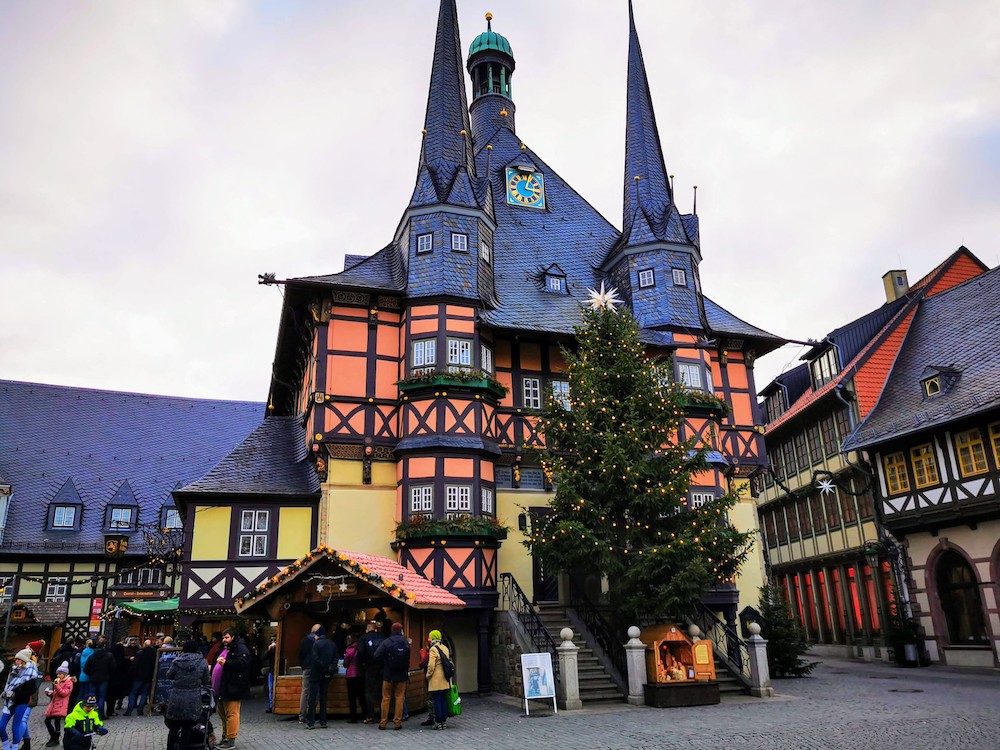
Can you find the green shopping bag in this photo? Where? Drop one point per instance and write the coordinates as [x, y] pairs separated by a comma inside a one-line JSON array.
[[454, 701]]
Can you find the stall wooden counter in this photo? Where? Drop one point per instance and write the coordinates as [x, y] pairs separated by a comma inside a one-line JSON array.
[[288, 690]]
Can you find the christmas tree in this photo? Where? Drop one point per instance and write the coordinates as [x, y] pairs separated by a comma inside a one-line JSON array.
[[786, 643], [622, 478]]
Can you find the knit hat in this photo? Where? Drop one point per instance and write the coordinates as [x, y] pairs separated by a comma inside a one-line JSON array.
[[397, 627], [37, 646], [435, 635], [24, 655], [63, 668], [90, 701]]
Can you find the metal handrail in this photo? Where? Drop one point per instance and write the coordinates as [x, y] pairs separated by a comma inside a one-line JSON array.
[[601, 630], [513, 599], [726, 642]]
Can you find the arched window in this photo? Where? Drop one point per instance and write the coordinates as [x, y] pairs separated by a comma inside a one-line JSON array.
[[961, 604]]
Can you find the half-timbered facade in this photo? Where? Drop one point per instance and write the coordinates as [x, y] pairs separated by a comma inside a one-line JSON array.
[[418, 372], [934, 441], [83, 469], [818, 514]]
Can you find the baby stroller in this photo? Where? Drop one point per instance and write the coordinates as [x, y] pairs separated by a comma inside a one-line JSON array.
[[202, 735]]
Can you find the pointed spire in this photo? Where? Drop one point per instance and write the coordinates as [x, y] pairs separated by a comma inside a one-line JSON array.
[[447, 144], [649, 212]]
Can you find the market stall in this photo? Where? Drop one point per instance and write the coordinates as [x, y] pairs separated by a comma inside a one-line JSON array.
[[337, 588]]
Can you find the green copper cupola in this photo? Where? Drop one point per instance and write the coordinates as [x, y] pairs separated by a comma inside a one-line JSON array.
[[491, 66]]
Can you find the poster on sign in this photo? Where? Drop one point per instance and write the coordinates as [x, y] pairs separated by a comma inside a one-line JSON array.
[[538, 679], [96, 610]]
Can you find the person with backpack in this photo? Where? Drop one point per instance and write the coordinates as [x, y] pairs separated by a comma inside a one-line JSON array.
[[21, 689], [322, 667], [394, 656], [98, 669], [370, 642], [440, 671]]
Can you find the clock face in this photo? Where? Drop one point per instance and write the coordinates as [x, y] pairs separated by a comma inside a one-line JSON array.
[[525, 188]]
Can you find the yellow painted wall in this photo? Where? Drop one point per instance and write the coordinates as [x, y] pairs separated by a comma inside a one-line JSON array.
[[359, 519], [211, 525], [29, 588], [294, 532], [751, 577], [514, 557], [79, 608]]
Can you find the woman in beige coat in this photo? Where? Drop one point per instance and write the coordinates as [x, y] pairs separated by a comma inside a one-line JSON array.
[[437, 684]]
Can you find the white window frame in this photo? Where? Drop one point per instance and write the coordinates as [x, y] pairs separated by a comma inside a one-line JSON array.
[[56, 588], [425, 243], [254, 525], [485, 252], [6, 588], [116, 522], [555, 283], [486, 504], [680, 276], [71, 509], [485, 358], [688, 373], [647, 278], [457, 498], [172, 519], [531, 392], [422, 498], [150, 577], [424, 353], [459, 242], [698, 499], [459, 354], [560, 392]]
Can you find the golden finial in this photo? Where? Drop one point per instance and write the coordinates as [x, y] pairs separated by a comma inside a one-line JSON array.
[[462, 132], [637, 177], [424, 131], [503, 113], [489, 16], [489, 148], [523, 147]]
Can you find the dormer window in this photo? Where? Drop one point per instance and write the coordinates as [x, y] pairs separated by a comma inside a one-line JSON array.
[[64, 517], [680, 277], [932, 386], [459, 242], [555, 283], [425, 243], [121, 518], [647, 278], [824, 368], [172, 518]]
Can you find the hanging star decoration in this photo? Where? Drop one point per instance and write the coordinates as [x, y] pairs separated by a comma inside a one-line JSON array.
[[343, 586], [604, 299], [824, 485], [319, 588]]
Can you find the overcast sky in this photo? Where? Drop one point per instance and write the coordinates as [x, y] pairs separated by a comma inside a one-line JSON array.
[[156, 156]]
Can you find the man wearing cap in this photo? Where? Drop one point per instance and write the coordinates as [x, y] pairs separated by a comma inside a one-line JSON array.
[[394, 656], [82, 724]]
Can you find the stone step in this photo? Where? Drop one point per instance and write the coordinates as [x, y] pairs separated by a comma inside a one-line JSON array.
[[606, 696]]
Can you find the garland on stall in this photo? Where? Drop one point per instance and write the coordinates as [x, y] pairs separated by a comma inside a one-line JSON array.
[[356, 569]]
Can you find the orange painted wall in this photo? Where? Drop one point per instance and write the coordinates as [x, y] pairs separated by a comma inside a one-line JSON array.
[[531, 356], [386, 376], [420, 467], [459, 467], [347, 375]]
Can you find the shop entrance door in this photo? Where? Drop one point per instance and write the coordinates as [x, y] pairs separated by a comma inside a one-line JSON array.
[[545, 583]]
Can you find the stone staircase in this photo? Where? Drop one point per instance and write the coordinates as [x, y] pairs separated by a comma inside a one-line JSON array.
[[596, 685], [728, 685]]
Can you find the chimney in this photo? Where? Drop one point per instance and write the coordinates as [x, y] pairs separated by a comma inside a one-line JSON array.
[[896, 285]]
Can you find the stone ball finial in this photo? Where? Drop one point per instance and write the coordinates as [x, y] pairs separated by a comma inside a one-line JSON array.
[[566, 634], [633, 632], [694, 631], [754, 628]]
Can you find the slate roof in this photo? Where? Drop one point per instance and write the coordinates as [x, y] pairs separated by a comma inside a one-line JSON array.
[[956, 328], [383, 271], [89, 444], [270, 461], [422, 442], [649, 213]]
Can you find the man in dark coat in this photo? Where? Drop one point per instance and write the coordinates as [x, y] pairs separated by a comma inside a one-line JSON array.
[[394, 656], [65, 653], [305, 660], [322, 667], [234, 684], [143, 666], [370, 642], [190, 674], [99, 668]]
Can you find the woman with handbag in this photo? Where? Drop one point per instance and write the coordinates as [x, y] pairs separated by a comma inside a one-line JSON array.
[[19, 692], [438, 682]]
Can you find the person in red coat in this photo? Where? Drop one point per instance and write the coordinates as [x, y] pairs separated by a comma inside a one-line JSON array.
[[58, 706]]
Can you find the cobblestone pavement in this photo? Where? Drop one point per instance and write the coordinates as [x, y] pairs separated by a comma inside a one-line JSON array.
[[848, 705]]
